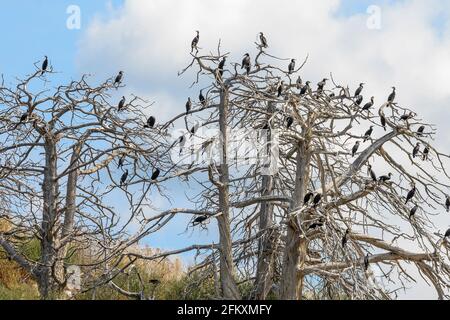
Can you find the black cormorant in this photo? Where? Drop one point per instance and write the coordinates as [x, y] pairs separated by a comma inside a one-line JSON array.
[[413, 211], [317, 224], [366, 262], [194, 129], [155, 174], [368, 134], [305, 88], [355, 148], [447, 203], [420, 131], [425, 153], [344, 238], [24, 117], [150, 122], [416, 150], [44, 65], [411, 194], [202, 99], [289, 122], [386, 178], [195, 42], [359, 100], [372, 173], [307, 197], [280, 89], [407, 116], [124, 177], [391, 97], [222, 63], [246, 63], [121, 162], [383, 122], [263, 40], [200, 220], [447, 234], [369, 104], [299, 83], [321, 85], [188, 106], [118, 79], [317, 199], [359, 90], [121, 104], [291, 66]]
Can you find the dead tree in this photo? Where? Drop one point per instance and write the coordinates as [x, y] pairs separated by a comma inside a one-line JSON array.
[[67, 154]]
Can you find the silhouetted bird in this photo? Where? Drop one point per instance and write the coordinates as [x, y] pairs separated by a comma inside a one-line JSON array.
[[121, 104], [44, 65], [121, 162], [391, 97], [355, 148], [369, 104], [155, 174], [222, 63], [188, 106], [118, 79], [359, 90], [291, 66], [246, 63], [344, 238], [200, 220], [124, 177], [202, 99], [425, 153], [420, 131], [368, 134], [416, 150], [150, 122], [289, 122], [316, 225], [385, 178], [305, 88], [195, 42], [372, 174], [383, 122], [413, 211], [407, 116], [359, 100], [24, 117], [317, 199], [280, 89], [411, 194], [447, 234], [263, 40], [307, 197], [366, 262], [447, 203]]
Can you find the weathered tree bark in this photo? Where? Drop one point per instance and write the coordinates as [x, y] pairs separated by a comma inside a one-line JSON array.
[[228, 284], [296, 247]]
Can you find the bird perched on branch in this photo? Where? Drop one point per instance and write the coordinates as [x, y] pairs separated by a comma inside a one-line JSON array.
[[416, 150], [355, 148], [299, 83], [246, 63], [384, 179], [44, 65], [368, 134], [121, 104], [307, 197], [202, 99], [359, 90], [425, 153], [280, 89], [344, 238], [321, 85], [413, 211], [391, 97], [447, 203], [447, 234], [289, 122], [407, 116], [366, 262], [316, 225], [188, 106], [222, 63], [306, 88], [124, 177], [121, 162], [200, 220], [118, 79], [317, 200], [150, 122], [383, 121], [291, 66], [411, 194], [195, 42], [263, 40], [372, 173], [420, 131], [155, 174], [369, 104]]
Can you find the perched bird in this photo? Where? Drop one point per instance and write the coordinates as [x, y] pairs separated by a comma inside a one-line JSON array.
[[307, 197], [291, 66], [317, 199], [384, 179], [246, 63], [407, 116], [121, 162], [155, 174], [355, 148], [222, 63], [416, 150], [420, 131], [368, 134], [299, 83], [44, 65], [280, 89], [366, 262], [24, 117], [321, 85], [383, 122], [359, 90], [150, 122], [317, 224], [121, 104], [202, 99], [195, 41], [413, 211], [194, 129], [359, 100], [305, 88], [372, 173], [263, 40], [124, 177], [369, 104], [289, 122], [200, 220], [411, 194], [344, 238], [391, 97], [447, 234], [447, 203], [118, 79], [188, 106], [425, 153]]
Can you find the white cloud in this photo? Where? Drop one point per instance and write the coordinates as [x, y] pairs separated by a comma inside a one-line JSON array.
[[150, 40]]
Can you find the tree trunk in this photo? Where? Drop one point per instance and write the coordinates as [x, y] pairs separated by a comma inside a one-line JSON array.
[[296, 247], [228, 284]]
